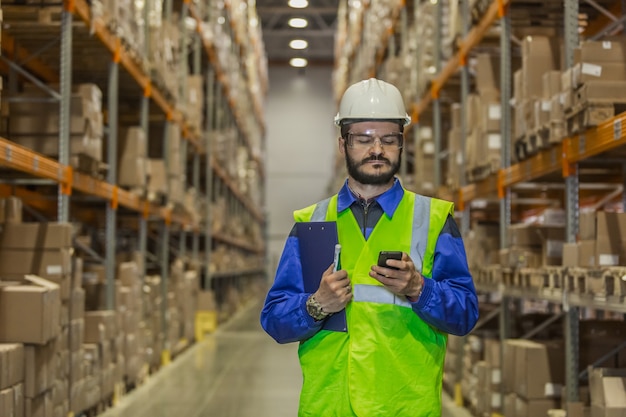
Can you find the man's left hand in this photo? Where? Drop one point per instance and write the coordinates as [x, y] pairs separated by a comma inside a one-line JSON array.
[[405, 280]]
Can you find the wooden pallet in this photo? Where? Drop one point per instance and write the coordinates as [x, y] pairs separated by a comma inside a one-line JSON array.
[[88, 165], [555, 280], [615, 283], [481, 172], [585, 115], [508, 276], [532, 143], [556, 131], [531, 278], [595, 284], [574, 280]]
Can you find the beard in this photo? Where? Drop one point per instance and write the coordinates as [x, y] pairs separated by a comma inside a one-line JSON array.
[[355, 172]]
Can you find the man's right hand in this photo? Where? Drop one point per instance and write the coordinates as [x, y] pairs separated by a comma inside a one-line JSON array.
[[335, 290]]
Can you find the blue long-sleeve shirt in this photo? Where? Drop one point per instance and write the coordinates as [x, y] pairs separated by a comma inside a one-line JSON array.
[[448, 300]]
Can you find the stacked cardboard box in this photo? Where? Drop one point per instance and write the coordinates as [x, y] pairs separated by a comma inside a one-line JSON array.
[[133, 161], [176, 167], [490, 379], [455, 151], [595, 84], [183, 292], [164, 56], [482, 244], [608, 392], [425, 162], [601, 241], [454, 350], [133, 326], [472, 355], [533, 246], [34, 123], [151, 327], [483, 114], [130, 311], [43, 372], [103, 345], [10, 210], [194, 109], [540, 55], [532, 390], [157, 183], [12, 380], [549, 116], [76, 334]]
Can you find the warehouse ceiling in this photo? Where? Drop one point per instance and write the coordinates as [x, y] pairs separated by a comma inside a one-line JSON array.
[[320, 32]]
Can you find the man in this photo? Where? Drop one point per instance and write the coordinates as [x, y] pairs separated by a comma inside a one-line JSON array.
[[390, 360]]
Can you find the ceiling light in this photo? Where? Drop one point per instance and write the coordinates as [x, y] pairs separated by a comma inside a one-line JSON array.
[[297, 22], [298, 44], [298, 4], [298, 62]]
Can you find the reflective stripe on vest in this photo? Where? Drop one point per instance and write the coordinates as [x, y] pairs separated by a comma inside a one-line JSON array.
[[319, 214], [378, 294], [419, 234]]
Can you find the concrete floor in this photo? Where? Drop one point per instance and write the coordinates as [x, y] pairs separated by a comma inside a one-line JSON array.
[[238, 371]]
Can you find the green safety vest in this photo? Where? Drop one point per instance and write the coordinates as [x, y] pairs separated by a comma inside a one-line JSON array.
[[389, 362]]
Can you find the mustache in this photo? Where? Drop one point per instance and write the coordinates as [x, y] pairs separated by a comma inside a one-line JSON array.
[[375, 158]]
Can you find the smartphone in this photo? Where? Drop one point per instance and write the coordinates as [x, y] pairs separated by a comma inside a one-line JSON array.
[[384, 255]]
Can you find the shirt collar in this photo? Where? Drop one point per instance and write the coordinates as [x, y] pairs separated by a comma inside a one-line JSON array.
[[388, 200]]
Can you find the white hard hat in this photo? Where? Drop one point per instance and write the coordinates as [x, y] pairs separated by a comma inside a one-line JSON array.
[[372, 100]]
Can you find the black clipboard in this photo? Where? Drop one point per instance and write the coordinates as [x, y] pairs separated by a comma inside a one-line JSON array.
[[317, 242]]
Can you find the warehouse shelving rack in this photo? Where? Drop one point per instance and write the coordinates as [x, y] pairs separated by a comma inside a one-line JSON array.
[[214, 178], [558, 161]]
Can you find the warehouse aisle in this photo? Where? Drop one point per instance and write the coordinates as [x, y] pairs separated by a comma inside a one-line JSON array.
[[237, 372]]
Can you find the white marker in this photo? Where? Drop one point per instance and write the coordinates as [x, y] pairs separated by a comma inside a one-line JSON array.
[[336, 257]]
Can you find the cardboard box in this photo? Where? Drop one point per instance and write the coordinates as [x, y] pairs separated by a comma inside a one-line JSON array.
[[18, 395], [534, 407], [610, 238], [38, 305], [540, 54], [534, 235], [600, 91], [551, 84], [581, 254], [575, 409], [36, 235], [11, 210], [133, 172], [133, 143], [547, 372], [587, 225], [608, 386], [11, 365], [94, 319], [157, 182], [77, 304], [7, 402], [509, 405], [602, 411], [37, 368], [46, 263], [584, 72], [40, 406], [601, 51], [206, 301], [487, 72]]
